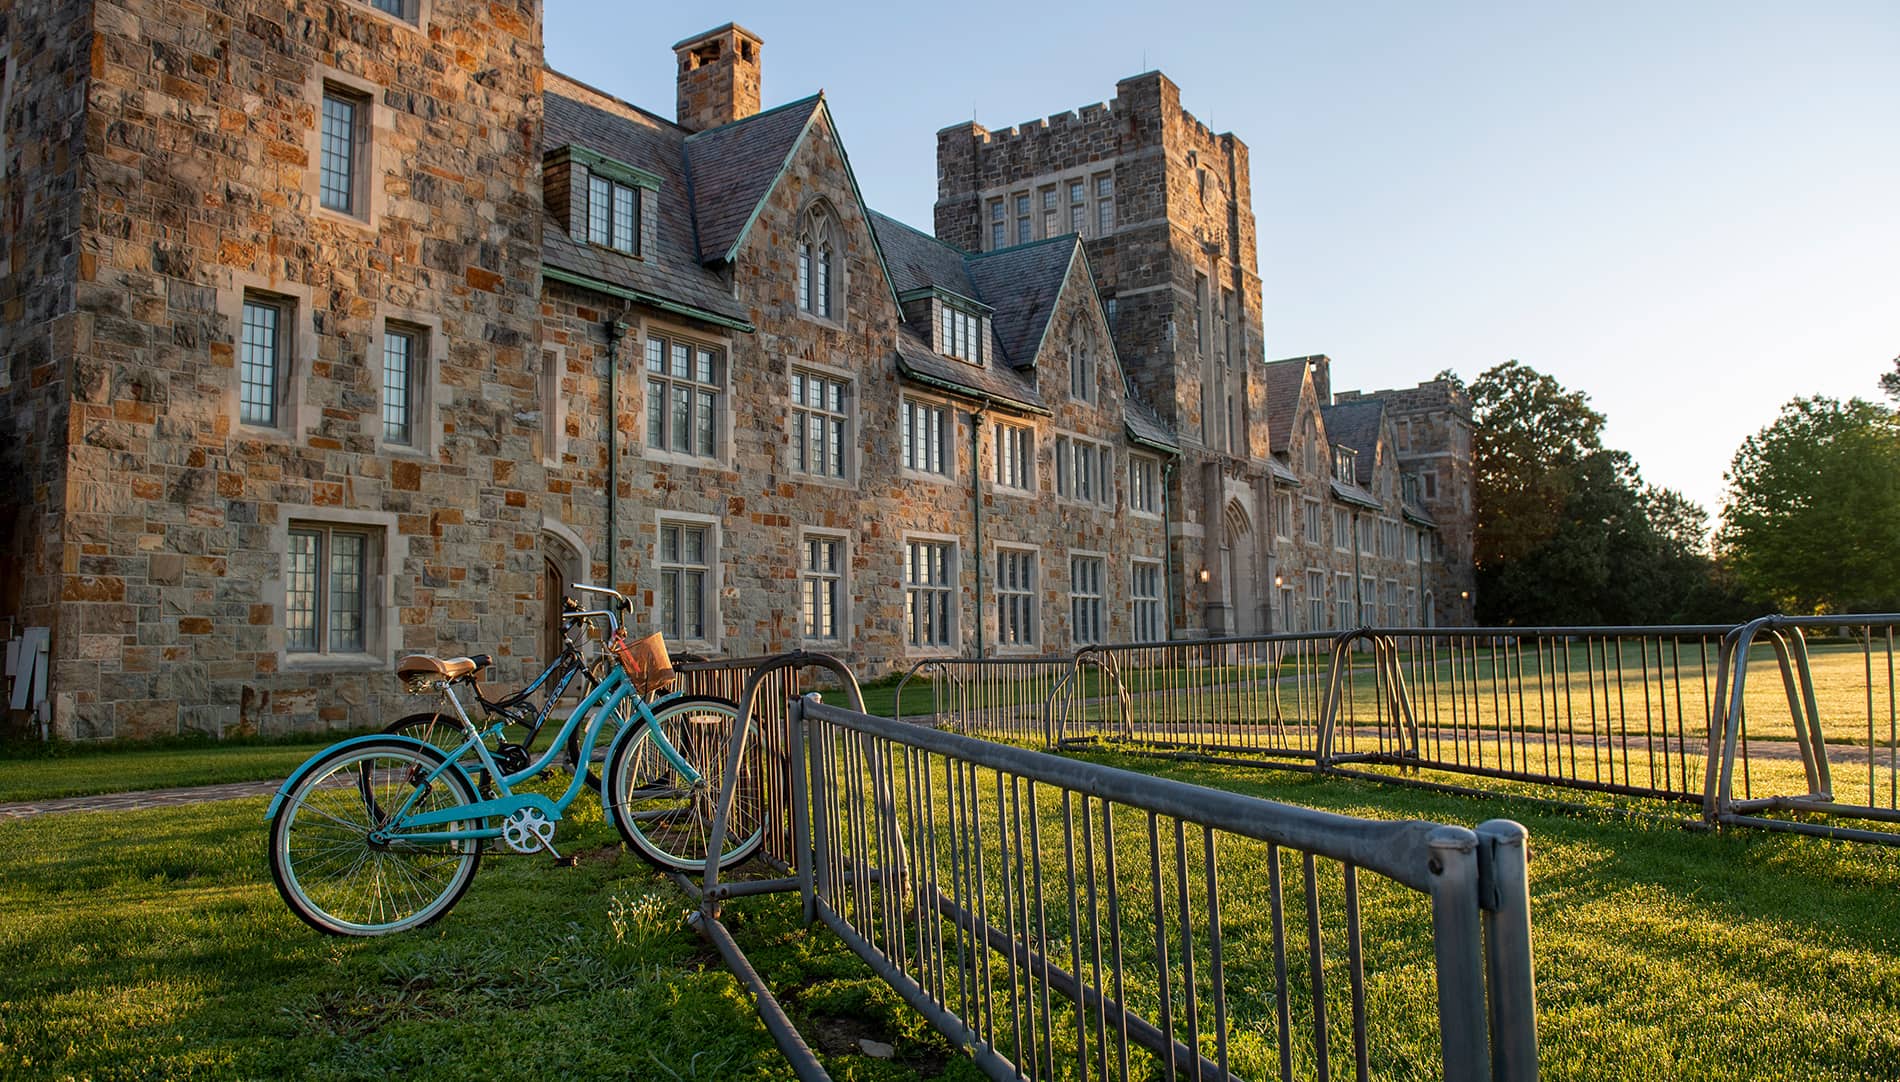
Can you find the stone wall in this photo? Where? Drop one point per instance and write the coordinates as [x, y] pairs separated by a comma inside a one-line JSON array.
[[45, 66], [201, 123]]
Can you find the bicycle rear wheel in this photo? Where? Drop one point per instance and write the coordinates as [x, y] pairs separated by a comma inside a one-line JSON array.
[[330, 873], [665, 815], [445, 733]]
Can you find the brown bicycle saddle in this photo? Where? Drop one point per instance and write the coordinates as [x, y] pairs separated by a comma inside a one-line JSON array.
[[451, 668]]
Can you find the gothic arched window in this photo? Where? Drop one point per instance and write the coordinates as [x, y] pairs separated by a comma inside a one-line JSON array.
[[818, 248]]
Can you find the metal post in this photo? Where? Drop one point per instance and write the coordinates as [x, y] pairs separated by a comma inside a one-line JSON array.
[[1504, 890]]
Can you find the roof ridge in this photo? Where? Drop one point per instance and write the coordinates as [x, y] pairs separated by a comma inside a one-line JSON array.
[[615, 98], [806, 100], [1075, 238]]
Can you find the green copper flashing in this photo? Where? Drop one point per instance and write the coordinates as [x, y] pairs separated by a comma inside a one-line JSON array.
[[556, 274], [600, 163], [958, 300], [962, 390]]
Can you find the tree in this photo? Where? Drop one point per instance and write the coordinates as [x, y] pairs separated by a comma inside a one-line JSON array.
[[1812, 518], [1567, 532], [1890, 382]]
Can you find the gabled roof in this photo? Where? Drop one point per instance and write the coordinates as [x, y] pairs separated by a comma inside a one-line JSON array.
[[670, 274], [1022, 284], [1356, 424], [732, 168], [1284, 380]]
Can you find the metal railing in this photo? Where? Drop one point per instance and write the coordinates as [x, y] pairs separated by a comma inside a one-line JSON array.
[[1062, 919], [1249, 696], [1664, 712], [1608, 709], [767, 759], [1819, 738], [1004, 698]]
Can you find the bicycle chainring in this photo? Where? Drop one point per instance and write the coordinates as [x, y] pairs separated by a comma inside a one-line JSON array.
[[511, 758], [528, 831]]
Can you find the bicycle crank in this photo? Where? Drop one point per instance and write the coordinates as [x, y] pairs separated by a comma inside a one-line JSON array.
[[529, 831]]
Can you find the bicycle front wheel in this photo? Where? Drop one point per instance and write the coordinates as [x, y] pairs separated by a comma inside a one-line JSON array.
[[665, 814], [329, 871]]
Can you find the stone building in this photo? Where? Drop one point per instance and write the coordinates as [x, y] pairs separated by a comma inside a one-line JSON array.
[[1324, 538], [1431, 441], [349, 331]]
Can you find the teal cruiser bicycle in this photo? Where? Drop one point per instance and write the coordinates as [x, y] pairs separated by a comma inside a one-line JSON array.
[[383, 833]]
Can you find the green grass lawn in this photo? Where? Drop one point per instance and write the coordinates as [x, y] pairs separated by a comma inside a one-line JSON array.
[[152, 944], [84, 772]]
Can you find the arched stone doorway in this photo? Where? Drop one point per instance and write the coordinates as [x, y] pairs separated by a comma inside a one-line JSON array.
[[562, 564], [1240, 579]]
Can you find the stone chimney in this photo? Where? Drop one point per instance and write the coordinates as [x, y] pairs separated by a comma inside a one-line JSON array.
[[718, 77]]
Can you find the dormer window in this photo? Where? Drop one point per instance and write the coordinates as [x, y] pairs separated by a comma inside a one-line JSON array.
[[1343, 459], [818, 264], [613, 214], [960, 333]]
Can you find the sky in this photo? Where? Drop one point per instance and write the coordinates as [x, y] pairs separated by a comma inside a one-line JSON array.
[[1689, 211]]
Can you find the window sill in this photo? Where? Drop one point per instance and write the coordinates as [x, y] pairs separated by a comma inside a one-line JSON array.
[[301, 662], [394, 20], [829, 322], [403, 450], [994, 489], [1152, 516], [262, 432], [621, 252], [799, 478], [920, 475], [1027, 649], [326, 214], [679, 458]]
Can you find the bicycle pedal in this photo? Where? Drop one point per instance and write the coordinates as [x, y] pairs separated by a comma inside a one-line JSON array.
[[572, 861]]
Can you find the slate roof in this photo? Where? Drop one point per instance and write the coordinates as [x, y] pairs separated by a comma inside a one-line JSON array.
[[1283, 398], [732, 167], [1022, 284], [1355, 424], [999, 382], [918, 260], [672, 269], [1145, 424]]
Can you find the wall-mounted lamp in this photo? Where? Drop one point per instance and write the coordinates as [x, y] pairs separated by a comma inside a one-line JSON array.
[[1464, 595], [1279, 581], [1201, 574]]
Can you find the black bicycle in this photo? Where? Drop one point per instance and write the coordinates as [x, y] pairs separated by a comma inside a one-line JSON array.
[[519, 710]]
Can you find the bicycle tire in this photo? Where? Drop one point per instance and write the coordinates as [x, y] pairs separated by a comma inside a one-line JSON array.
[[668, 821], [608, 731], [444, 733], [320, 848]]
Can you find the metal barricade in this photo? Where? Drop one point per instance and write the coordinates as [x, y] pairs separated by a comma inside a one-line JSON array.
[[1256, 696], [1002, 698], [1815, 735], [1608, 709], [1062, 919], [768, 757]]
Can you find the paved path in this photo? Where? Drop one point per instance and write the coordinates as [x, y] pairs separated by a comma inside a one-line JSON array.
[[146, 798]]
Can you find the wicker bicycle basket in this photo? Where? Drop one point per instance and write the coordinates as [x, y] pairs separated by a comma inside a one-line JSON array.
[[646, 662]]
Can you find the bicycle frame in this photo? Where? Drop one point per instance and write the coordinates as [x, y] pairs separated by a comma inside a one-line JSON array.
[[604, 700]]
